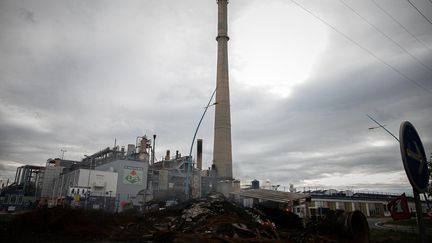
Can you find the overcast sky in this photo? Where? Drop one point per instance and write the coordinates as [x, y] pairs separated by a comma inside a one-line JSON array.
[[76, 75]]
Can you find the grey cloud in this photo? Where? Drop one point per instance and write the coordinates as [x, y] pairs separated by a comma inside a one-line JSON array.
[[79, 74]]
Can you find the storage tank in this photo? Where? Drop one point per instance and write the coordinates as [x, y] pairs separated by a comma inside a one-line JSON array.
[[130, 150], [255, 184], [167, 156]]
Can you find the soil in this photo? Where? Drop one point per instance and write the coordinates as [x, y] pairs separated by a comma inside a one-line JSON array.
[[212, 219]]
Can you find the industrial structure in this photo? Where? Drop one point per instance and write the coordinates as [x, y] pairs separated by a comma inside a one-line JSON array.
[[222, 154], [222, 149], [317, 203], [130, 178], [113, 179], [25, 188], [118, 178]]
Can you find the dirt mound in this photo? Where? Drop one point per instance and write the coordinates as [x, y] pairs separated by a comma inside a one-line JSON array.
[[73, 222], [212, 219]]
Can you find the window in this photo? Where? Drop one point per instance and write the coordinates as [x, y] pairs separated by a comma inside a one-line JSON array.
[[19, 200], [12, 199]]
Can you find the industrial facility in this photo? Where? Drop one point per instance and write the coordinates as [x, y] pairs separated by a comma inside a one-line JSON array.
[[317, 203], [113, 179], [130, 178], [122, 178]]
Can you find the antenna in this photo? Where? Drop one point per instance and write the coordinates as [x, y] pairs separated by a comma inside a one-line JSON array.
[[63, 151]]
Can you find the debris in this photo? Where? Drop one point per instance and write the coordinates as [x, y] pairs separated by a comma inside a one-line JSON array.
[[211, 219]]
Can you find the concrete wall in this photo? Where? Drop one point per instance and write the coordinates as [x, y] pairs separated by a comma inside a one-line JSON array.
[[163, 180], [132, 178], [99, 183], [50, 174], [102, 183]]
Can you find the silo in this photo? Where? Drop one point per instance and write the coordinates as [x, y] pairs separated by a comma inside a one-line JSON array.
[[255, 184]]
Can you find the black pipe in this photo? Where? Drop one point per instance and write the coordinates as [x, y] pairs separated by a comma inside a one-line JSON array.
[[352, 226], [153, 149]]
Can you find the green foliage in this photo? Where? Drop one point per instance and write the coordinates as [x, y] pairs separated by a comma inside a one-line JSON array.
[[386, 236], [411, 222]]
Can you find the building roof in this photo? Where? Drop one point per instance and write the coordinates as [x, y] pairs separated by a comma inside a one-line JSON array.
[[360, 197], [271, 195]]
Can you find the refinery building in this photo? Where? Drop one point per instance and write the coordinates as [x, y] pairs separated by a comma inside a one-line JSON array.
[[119, 179], [129, 177], [112, 179]]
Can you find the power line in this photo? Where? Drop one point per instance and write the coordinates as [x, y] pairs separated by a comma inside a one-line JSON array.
[[363, 48], [385, 35], [418, 10], [401, 25]]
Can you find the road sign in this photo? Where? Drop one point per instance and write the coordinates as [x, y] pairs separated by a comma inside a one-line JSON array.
[[413, 157], [398, 208]]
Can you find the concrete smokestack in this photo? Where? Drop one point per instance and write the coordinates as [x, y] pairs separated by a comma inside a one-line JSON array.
[[222, 155], [153, 149], [199, 154], [167, 156]]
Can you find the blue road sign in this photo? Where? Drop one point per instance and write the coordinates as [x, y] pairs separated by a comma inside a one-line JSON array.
[[413, 157]]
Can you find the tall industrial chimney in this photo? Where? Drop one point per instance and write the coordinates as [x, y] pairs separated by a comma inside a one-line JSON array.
[[199, 154], [222, 155], [167, 156], [153, 149]]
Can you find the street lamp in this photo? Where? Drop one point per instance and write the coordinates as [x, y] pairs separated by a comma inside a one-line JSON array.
[[381, 126], [188, 169], [371, 128]]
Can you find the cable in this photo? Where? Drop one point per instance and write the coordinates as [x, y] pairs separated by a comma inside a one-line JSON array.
[[418, 10], [401, 25], [363, 48], [385, 35]]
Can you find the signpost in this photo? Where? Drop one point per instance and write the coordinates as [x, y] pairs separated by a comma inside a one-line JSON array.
[[415, 164], [398, 208]]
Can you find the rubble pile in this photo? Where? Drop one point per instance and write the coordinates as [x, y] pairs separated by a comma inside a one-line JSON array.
[[212, 219]]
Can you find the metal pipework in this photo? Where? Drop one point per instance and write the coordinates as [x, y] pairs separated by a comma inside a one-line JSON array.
[[193, 141], [153, 149], [352, 226], [199, 154]]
